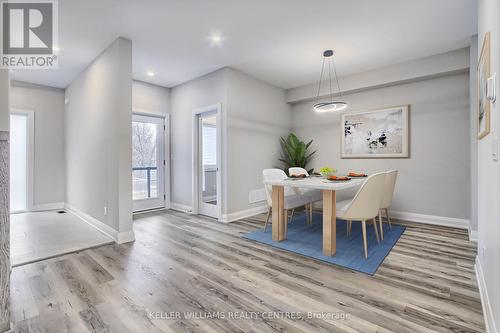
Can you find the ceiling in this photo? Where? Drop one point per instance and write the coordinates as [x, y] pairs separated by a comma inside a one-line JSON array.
[[278, 41]]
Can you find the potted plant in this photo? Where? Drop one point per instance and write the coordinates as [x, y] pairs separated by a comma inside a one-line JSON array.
[[295, 153]]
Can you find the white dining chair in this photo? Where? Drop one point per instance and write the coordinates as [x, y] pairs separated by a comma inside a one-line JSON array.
[[364, 206], [314, 195], [388, 193], [292, 199]]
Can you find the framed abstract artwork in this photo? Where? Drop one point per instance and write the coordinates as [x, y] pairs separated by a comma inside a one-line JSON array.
[[483, 73], [380, 133]]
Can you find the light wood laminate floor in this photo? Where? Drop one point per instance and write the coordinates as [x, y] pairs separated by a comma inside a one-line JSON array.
[[189, 263]]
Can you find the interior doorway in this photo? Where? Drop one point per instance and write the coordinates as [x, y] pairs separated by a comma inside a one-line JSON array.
[[206, 161], [148, 162], [21, 160]]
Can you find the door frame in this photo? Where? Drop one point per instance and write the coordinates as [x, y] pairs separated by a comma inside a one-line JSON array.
[[166, 151], [195, 179], [30, 170]]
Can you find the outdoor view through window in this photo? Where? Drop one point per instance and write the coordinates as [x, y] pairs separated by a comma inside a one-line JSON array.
[[145, 167]]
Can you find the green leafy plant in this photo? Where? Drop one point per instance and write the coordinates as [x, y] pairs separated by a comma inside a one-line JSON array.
[[295, 152], [327, 171]]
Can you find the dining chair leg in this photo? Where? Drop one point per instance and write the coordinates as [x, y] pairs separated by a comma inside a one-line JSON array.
[[285, 217], [381, 226], [267, 219], [308, 220], [376, 229], [311, 214], [291, 215], [388, 218], [349, 227], [365, 244]]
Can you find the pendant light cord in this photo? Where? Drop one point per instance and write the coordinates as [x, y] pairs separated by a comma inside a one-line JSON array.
[[330, 75], [336, 77], [320, 79]]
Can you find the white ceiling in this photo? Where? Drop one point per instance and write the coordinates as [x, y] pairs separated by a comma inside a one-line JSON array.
[[279, 41]]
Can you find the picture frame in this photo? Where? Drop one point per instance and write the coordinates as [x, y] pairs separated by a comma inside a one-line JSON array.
[[484, 105], [380, 133]]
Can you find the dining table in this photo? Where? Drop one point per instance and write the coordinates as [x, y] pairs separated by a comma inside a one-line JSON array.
[[329, 189]]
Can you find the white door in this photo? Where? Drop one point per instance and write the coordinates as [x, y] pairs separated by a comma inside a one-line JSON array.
[[208, 168], [148, 162], [21, 160]]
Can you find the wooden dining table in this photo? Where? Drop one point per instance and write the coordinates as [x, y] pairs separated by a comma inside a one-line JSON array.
[[329, 189]]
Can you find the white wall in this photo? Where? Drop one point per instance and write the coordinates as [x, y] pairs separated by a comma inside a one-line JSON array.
[[98, 140], [48, 106], [489, 178], [206, 90], [150, 98], [257, 116], [434, 180], [473, 136]]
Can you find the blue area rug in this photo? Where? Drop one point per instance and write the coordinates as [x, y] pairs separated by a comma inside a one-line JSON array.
[[307, 241]]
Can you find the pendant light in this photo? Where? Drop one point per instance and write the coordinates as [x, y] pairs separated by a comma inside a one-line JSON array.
[[331, 105]]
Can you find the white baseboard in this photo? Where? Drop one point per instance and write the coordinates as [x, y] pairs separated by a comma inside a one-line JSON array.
[[485, 300], [473, 235], [118, 237], [125, 237], [226, 218], [431, 219], [49, 206], [181, 207]]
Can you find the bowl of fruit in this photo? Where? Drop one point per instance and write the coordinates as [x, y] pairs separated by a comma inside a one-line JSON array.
[[327, 172]]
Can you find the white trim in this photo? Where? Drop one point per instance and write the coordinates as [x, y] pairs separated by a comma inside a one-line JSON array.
[[125, 237], [181, 208], [485, 301], [431, 219], [226, 218], [118, 237], [149, 210], [473, 235], [217, 109], [48, 206]]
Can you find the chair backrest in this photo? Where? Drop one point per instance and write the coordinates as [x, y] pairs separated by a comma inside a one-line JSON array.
[[366, 203], [390, 184], [272, 174], [298, 171]]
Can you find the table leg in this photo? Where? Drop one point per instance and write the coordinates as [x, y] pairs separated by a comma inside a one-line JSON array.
[[329, 223], [278, 213]]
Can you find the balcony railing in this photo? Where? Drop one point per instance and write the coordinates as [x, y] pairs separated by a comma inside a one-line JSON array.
[[148, 171]]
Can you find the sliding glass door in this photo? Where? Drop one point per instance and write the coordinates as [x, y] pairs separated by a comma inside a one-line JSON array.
[[148, 162]]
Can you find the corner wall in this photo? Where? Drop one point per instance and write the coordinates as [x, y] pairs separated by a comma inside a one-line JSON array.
[[257, 115], [206, 90], [98, 140], [487, 263], [254, 115]]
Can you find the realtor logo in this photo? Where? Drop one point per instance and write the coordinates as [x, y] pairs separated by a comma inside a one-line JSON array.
[[29, 34]]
